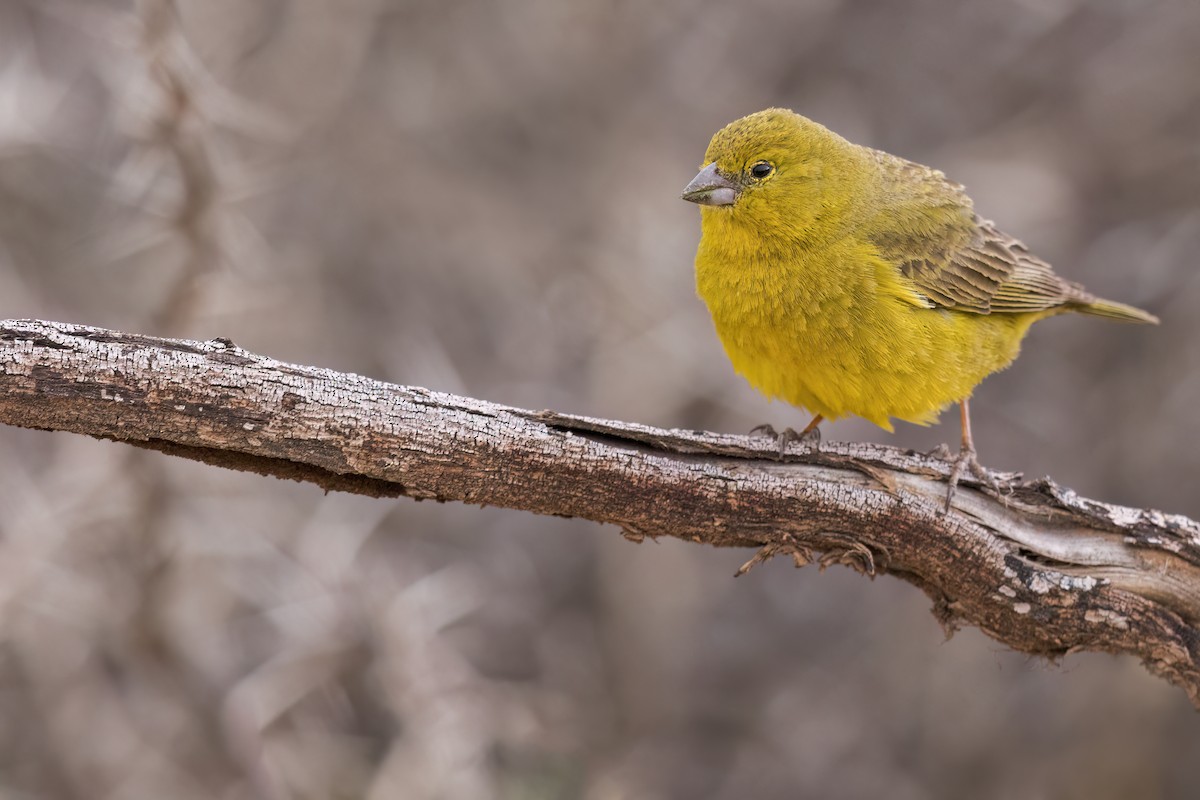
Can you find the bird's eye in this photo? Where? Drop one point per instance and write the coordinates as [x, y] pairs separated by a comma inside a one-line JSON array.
[[761, 169]]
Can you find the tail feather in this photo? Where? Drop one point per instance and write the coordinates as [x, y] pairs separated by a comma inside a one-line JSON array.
[[1110, 309]]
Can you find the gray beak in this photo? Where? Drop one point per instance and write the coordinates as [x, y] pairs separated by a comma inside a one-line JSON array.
[[711, 188]]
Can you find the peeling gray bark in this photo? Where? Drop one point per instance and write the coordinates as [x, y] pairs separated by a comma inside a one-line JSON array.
[[1040, 569]]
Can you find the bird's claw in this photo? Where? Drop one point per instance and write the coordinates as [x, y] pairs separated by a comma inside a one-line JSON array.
[[941, 453], [968, 463], [810, 439]]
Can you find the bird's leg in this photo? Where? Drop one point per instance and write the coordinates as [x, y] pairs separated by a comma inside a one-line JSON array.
[[967, 461], [809, 437]]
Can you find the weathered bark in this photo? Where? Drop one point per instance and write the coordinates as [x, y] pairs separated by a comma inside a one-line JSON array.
[[1040, 569]]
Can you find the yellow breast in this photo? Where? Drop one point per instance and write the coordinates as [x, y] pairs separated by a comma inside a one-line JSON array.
[[835, 330]]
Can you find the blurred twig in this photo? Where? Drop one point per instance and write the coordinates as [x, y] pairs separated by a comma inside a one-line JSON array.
[[1041, 570], [178, 129]]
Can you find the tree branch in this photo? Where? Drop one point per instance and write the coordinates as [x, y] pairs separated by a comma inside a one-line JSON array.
[[1042, 570]]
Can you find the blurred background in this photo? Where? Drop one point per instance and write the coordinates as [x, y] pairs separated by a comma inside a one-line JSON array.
[[483, 198]]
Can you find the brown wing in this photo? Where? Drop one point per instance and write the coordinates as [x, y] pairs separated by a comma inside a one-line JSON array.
[[927, 228], [981, 270]]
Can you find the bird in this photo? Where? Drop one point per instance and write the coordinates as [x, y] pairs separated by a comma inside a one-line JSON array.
[[851, 282]]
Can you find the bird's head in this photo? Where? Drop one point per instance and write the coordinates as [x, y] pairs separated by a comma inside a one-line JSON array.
[[777, 171]]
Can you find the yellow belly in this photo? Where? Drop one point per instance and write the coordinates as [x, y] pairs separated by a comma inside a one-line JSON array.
[[853, 346]]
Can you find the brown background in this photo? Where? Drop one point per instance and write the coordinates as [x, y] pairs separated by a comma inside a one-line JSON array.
[[483, 198]]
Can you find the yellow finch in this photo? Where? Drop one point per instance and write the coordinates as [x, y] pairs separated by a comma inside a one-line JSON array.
[[850, 281]]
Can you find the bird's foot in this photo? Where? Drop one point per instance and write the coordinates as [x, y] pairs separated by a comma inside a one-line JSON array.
[[968, 463], [809, 439], [941, 453]]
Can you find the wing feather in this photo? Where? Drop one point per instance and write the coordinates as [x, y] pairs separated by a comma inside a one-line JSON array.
[[925, 227], [953, 258], [988, 272]]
